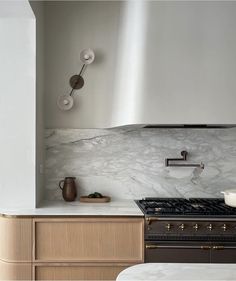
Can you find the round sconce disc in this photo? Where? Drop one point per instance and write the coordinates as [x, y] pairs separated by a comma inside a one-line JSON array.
[[76, 82], [87, 56], [65, 102]]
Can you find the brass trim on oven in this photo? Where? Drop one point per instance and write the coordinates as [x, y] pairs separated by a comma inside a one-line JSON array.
[[150, 220], [218, 248], [206, 247], [151, 246], [154, 246], [203, 247]]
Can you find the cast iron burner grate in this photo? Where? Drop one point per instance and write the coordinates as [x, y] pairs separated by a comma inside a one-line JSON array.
[[186, 207]]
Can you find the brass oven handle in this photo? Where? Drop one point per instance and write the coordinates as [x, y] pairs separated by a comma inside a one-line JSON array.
[[154, 246], [206, 247], [218, 248], [150, 246]]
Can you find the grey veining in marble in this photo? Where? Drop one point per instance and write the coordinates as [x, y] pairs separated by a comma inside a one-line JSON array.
[[128, 163], [181, 271]]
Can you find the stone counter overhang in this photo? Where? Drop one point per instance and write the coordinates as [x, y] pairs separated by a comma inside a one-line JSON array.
[[76, 208]]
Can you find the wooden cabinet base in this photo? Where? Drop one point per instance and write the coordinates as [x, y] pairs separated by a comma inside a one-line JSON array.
[[77, 272], [88, 240], [83, 248], [16, 239], [15, 271]]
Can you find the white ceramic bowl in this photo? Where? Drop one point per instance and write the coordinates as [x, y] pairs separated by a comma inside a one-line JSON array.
[[230, 197]]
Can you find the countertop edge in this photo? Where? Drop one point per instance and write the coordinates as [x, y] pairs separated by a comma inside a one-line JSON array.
[[125, 208], [2, 215]]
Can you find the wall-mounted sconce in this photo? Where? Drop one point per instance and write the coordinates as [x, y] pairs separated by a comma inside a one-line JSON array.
[[66, 102], [184, 155]]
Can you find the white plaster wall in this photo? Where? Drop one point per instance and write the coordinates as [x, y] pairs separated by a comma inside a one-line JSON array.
[[17, 104], [38, 9], [71, 27], [163, 62]]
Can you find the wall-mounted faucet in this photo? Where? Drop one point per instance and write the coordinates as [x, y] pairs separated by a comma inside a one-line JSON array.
[[184, 155]]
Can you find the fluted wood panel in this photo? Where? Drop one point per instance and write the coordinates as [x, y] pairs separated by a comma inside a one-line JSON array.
[[77, 272], [15, 271], [16, 239], [89, 240]]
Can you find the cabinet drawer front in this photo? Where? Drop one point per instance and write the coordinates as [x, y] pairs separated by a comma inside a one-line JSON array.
[[88, 240], [74, 272]]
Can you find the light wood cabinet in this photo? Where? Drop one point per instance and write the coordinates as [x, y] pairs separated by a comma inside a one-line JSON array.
[[82, 248], [16, 239], [77, 271], [15, 248], [15, 271], [88, 240]]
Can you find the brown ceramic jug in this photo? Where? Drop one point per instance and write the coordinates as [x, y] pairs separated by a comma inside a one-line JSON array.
[[68, 188]]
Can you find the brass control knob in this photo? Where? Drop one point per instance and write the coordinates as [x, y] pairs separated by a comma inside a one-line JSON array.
[[209, 227], [224, 227], [182, 226], [195, 227], [168, 226]]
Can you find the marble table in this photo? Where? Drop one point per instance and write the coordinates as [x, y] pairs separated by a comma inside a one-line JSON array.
[[178, 271]]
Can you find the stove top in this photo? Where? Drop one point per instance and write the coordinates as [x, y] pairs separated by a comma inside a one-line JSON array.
[[180, 207]]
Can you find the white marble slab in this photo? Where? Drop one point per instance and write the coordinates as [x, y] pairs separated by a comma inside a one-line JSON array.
[[181, 271], [76, 208], [128, 163]]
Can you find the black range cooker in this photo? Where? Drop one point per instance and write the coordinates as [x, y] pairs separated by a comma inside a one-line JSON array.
[[189, 230]]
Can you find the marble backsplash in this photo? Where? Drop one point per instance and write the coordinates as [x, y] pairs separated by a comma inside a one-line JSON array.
[[128, 163]]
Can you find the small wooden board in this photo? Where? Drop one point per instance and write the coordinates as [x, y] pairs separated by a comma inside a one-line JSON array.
[[87, 199]]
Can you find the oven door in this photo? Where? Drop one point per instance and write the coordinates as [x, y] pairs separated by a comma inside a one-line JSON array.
[[177, 252], [223, 252]]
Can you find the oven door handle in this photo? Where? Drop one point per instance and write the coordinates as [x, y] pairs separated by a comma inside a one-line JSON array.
[[218, 247], [223, 247], [155, 246], [203, 247]]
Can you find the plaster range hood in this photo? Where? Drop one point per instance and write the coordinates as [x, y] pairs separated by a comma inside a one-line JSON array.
[[189, 126]]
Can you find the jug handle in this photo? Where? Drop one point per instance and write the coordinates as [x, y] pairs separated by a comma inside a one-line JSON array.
[[60, 182]]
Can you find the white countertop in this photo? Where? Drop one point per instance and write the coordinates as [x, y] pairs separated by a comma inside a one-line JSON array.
[[76, 208], [178, 271]]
